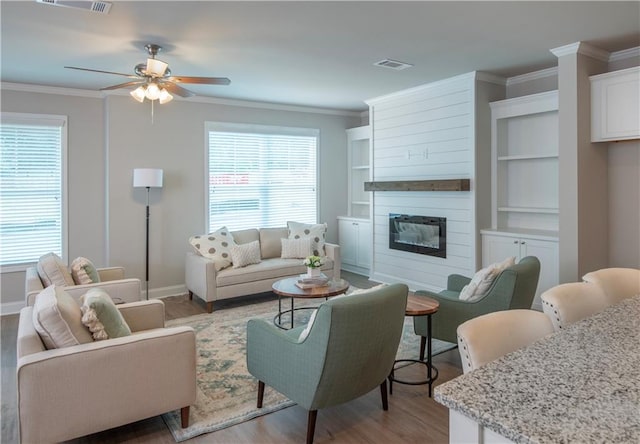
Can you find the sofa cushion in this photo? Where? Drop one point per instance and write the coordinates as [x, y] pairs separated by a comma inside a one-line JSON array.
[[101, 316], [246, 236], [296, 248], [84, 272], [57, 319], [53, 271], [215, 246], [245, 254], [270, 241], [267, 269], [316, 232]]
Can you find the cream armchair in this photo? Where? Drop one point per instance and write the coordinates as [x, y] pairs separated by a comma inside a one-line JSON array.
[[112, 281], [74, 391]]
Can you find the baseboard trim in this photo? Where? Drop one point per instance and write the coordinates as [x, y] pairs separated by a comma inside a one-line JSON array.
[[165, 292]]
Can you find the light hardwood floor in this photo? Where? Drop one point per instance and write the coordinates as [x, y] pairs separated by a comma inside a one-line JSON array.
[[412, 415]]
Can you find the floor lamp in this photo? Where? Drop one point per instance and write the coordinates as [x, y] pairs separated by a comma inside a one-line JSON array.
[[147, 178]]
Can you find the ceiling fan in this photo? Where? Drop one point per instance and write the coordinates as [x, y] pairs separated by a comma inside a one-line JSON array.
[[154, 80]]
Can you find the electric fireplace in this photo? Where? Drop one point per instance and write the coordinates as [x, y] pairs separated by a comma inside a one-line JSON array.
[[418, 234]]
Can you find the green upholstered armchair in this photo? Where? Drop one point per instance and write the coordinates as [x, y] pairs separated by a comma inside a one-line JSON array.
[[514, 288], [349, 351]]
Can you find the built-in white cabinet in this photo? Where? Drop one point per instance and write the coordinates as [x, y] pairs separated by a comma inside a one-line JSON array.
[[359, 160], [524, 140], [497, 246], [354, 237], [615, 105]]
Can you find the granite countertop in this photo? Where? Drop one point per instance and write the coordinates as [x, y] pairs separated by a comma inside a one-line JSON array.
[[579, 385]]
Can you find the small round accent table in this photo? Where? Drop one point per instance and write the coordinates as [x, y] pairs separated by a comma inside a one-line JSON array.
[[419, 306], [288, 288]]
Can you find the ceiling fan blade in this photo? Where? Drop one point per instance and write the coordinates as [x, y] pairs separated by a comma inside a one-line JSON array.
[[201, 80], [178, 90], [104, 72], [123, 85]]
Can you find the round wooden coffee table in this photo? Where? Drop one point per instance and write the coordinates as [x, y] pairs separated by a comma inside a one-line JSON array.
[[419, 306], [288, 288]]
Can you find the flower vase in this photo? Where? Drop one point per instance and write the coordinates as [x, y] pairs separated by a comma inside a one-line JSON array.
[[313, 272]]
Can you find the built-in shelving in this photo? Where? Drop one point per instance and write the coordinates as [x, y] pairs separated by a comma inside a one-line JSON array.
[[525, 153], [359, 160]]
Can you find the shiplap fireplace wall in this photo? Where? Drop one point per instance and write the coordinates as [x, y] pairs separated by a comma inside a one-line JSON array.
[[436, 131]]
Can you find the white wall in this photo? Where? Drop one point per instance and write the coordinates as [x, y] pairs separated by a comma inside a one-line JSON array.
[[439, 119], [624, 203], [110, 137]]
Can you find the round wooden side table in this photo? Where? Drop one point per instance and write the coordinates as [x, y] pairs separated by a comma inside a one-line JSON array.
[[419, 306], [288, 288]]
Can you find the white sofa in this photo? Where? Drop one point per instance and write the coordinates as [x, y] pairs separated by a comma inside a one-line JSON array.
[[205, 282]]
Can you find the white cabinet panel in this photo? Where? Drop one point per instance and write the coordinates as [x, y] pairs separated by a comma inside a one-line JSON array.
[[615, 105], [497, 246], [355, 244]]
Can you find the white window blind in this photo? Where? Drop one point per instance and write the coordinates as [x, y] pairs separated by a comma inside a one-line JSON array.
[[261, 176], [32, 187]]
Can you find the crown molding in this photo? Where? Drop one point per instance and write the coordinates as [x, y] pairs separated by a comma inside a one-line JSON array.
[[536, 75], [43, 89], [630, 53], [581, 48]]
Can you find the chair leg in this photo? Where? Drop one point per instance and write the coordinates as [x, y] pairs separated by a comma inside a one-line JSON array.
[[184, 416], [383, 392], [260, 393], [311, 425], [210, 307], [190, 295], [423, 346]]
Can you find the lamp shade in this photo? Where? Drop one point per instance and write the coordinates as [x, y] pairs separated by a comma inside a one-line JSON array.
[[147, 177]]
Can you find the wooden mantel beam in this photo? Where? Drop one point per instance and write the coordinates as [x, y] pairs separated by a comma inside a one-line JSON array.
[[420, 185]]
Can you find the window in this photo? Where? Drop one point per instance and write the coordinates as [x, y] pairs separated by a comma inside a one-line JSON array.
[[260, 176], [32, 187]]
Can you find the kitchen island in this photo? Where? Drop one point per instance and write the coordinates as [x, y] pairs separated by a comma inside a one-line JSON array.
[[579, 385]]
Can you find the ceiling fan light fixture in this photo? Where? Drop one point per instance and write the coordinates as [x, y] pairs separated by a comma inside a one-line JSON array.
[[153, 91], [164, 97], [138, 93], [156, 67]]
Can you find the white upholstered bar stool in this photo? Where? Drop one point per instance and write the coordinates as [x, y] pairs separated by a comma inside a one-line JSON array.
[[569, 303], [617, 283], [490, 336]]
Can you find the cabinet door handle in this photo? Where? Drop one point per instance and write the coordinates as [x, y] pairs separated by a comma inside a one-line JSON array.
[[515, 242], [522, 242]]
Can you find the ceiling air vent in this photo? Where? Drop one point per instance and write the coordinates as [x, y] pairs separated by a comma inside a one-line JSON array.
[[87, 5], [393, 64]]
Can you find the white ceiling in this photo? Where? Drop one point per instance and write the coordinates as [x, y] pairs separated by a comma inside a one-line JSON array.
[[318, 54]]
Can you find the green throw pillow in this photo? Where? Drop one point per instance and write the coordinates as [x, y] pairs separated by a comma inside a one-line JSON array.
[[102, 317]]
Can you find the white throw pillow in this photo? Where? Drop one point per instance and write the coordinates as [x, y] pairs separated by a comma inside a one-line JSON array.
[[315, 232], [480, 283], [245, 254], [215, 246], [84, 272], [304, 333], [53, 271], [508, 262], [296, 248], [57, 319]]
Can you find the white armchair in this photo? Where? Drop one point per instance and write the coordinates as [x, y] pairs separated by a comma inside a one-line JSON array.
[[74, 391], [112, 281]]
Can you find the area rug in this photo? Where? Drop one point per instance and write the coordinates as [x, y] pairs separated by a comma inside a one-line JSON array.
[[226, 393]]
